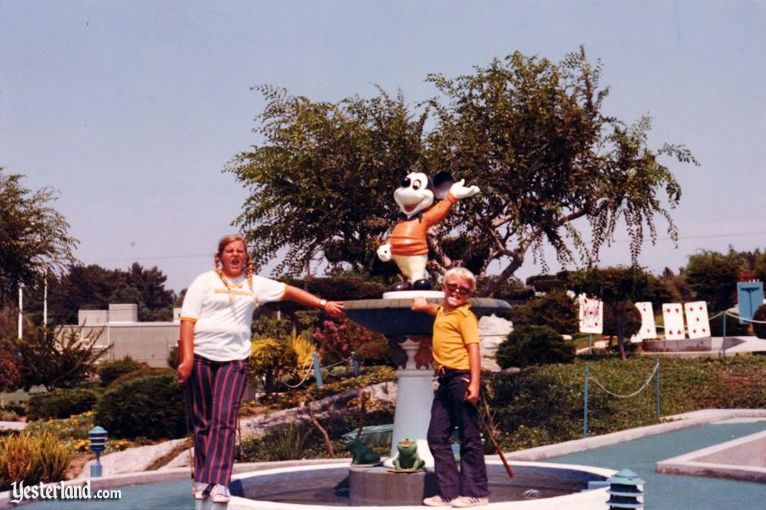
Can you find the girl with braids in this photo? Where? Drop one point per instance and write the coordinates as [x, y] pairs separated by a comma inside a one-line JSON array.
[[213, 349]]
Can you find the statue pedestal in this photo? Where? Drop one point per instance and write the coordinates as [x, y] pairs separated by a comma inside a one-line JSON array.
[[393, 317], [414, 394]]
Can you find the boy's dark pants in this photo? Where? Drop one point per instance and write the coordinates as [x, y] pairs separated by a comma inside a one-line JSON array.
[[450, 410]]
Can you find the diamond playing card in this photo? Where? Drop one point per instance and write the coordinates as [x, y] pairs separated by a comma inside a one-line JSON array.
[[697, 323], [673, 317]]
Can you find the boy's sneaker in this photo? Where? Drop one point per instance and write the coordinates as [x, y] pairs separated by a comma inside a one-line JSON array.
[[201, 490], [436, 501], [468, 501], [220, 494]]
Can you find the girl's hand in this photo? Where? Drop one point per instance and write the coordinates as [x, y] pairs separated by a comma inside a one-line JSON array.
[[334, 308], [183, 372]]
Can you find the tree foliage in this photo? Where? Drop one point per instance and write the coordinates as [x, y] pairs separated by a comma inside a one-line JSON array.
[[620, 283], [554, 309], [34, 237], [322, 180], [95, 287], [712, 276], [10, 375], [531, 133]]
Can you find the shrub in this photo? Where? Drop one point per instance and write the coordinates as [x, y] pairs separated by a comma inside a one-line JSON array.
[[32, 458], [270, 360], [58, 357], [544, 404], [759, 322], [172, 359], [141, 372], [286, 443], [555, 309], [111, 370], [530, 345], [151, 406], [733, 327], [67, 430], [337, 339], [61, 403], [10, 375]]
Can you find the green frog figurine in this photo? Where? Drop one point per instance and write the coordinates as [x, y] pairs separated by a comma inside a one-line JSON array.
[[408, 458], [361, 454]]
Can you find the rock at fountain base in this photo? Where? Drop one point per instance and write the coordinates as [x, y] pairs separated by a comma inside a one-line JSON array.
[[376, 486]]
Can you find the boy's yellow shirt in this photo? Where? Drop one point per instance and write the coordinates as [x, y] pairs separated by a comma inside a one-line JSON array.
[[453, 331]]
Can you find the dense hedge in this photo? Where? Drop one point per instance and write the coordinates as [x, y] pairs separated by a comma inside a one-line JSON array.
[[61, 403], [151, 406], [108, 371], [544, 404], [531, 345], [759, 322], [733, 327]]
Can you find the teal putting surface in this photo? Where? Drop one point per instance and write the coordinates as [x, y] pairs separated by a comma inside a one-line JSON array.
[[663, 492], [674, 492], [155, 496]]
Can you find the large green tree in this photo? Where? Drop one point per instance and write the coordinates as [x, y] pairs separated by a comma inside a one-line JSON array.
[[34, 237], [322, 179], [529, 132], [712, 276]]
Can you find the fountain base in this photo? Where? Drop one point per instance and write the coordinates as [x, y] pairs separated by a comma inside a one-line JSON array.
[[377, 486]]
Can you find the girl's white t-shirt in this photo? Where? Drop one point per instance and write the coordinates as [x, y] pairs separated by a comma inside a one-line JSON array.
[[223, 316]]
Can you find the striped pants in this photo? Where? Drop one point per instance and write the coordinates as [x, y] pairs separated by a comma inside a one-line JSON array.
[[213, 394]]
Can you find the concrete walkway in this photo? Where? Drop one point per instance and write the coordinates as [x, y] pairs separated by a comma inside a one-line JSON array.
[[12, 425]]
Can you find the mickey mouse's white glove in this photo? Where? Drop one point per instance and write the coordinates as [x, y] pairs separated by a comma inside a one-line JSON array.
[[384, 252], [460, 190]]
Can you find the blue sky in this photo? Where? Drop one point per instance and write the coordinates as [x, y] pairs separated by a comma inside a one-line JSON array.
[[131, 109]]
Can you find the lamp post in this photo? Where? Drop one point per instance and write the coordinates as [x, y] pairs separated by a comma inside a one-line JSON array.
[[97, 437], [626, 490]]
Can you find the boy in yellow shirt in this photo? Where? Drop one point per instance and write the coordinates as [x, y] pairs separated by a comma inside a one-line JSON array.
[[457, 362]]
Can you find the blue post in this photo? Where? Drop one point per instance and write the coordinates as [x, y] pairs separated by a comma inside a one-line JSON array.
[[657, 385], [590, 345], [355, 364], [585, 403], [317, 370]]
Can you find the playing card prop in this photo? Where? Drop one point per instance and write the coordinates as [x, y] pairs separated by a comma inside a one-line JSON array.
[[697, 323], [673, 317], [591, 315], [648, 327]]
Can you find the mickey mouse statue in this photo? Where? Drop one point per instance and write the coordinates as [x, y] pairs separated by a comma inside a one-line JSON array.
[[407, 244]]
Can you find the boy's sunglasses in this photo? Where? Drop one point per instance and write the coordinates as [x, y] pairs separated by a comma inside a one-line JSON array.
[[463, 291]]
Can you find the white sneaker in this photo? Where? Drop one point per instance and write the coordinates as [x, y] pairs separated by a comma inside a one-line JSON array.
[[436, 501], [220, 494], [468, 501], [201, 490]]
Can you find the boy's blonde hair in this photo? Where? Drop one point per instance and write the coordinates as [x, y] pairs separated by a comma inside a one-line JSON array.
[[463, 274]]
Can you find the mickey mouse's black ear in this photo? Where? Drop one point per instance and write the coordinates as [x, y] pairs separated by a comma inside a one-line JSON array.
[[443, 181]]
